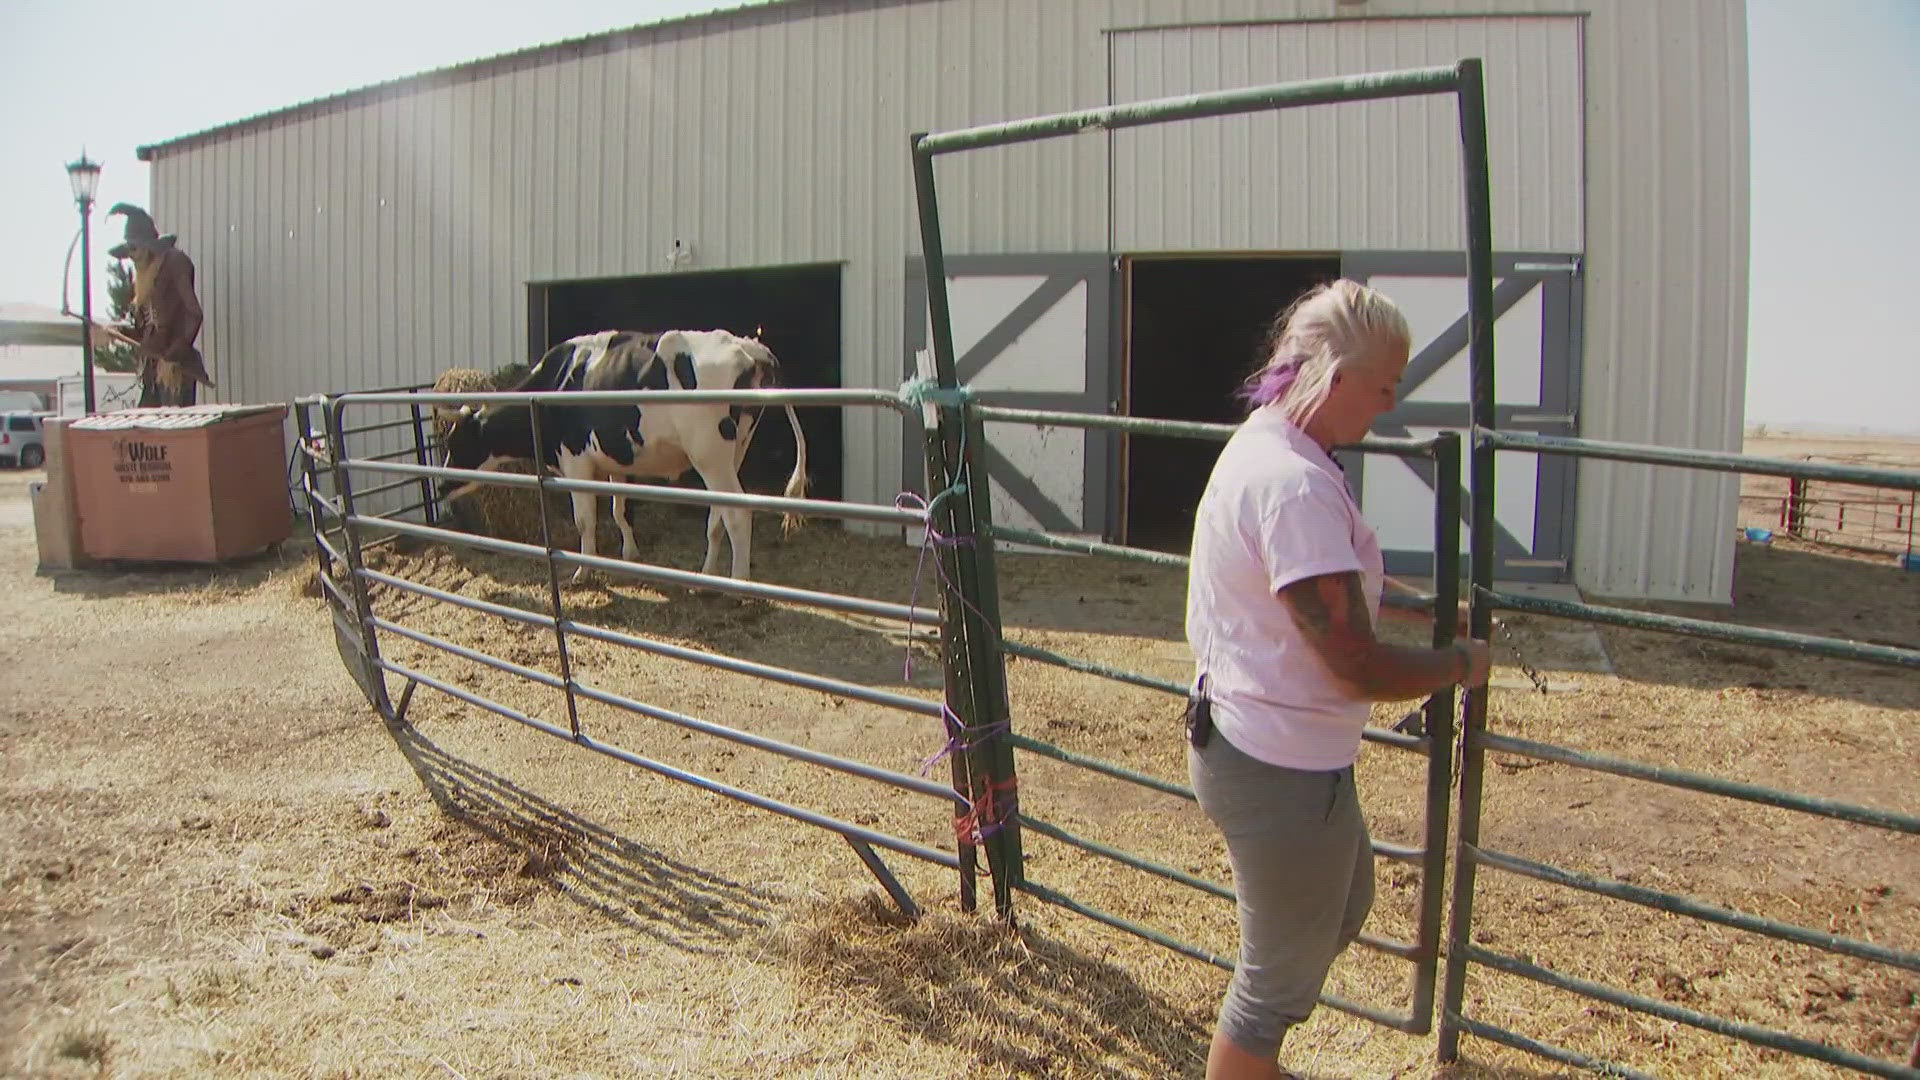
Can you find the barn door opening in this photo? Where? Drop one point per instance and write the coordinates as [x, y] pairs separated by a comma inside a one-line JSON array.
[[1194, 329], [1033, 332], [795, 310]]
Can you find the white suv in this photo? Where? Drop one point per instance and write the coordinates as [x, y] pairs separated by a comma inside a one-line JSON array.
[[21, 442]]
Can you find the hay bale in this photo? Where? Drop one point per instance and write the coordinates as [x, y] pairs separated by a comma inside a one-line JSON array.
[[456, 381], [514, 513], [462, 381]]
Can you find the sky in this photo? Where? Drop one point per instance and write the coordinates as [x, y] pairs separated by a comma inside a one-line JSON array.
[[1835, 103], [1835, 90]]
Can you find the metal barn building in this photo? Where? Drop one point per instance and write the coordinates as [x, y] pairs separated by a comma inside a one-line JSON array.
[[750, 169]]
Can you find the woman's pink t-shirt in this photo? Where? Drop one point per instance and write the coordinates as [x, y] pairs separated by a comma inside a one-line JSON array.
[[1276, 511]]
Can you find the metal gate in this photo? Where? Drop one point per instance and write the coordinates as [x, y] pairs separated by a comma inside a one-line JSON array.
[[333, 488], [1465, 944], [1427, 731], [1430, 734]]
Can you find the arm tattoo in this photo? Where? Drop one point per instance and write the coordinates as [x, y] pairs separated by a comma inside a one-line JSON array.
[[1309, 608], [1332, 613], [1331, 608], [1357, 603]]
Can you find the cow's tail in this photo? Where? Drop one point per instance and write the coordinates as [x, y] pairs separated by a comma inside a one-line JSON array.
[[797, 483]]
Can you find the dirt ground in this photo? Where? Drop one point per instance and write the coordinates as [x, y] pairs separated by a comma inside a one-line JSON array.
[[216, 860]]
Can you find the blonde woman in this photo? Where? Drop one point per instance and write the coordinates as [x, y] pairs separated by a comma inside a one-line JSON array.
[[1282, 598]]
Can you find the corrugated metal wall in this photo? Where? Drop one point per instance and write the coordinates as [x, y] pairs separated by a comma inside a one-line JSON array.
[[382, 239], [379, 244], [1378, 175], [1666, 292]]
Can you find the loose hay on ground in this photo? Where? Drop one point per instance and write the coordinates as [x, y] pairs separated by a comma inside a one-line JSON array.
[[597, 919], [1016, 1001], [1551, 806]]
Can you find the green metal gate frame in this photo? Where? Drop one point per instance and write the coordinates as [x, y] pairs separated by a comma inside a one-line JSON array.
[[1428, 730], [967, 512]]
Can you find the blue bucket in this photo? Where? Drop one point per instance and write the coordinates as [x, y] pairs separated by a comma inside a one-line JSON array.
[[1760, 536], [1910, 562]]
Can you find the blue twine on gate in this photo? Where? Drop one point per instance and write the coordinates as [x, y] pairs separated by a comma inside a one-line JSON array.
[[919, 392]]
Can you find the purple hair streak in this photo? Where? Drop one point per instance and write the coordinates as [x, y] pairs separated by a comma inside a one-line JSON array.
[[1270, 383]]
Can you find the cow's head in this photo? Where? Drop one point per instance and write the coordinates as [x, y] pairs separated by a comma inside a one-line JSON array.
[[467, 440]]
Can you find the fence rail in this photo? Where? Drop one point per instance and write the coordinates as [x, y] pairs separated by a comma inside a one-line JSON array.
[[1840, 515], [1478, 740]]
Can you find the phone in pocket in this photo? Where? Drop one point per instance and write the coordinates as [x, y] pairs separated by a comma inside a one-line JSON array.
[[1199, 715]]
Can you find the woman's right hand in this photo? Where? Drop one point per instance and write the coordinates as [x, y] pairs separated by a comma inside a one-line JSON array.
[[1479, 662]]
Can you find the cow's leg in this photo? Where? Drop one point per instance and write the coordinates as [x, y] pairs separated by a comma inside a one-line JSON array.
[[629, 547], [720, 476], [715, 521], [718, 520], [715, 526], [584, 520], [585, 509]]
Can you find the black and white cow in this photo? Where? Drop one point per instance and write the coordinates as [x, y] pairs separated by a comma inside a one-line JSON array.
[[657, 440]]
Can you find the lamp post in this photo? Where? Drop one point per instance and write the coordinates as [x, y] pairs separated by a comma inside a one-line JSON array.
[[85, 177]]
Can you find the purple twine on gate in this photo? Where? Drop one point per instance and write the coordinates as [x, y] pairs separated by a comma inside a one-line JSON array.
[[961, 738], [969, 827], [908, 500]]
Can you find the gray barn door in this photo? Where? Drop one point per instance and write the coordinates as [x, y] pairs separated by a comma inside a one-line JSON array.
[[1537, 333], [1034, 332]]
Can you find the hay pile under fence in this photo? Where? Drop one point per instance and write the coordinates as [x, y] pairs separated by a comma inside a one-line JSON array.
[[512, 513], [501, 512], [1020, 1002]]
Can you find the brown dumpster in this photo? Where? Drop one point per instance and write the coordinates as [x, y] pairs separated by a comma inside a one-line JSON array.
[[200, 484]]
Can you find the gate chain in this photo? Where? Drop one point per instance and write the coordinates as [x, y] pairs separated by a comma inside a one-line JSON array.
[[1503, 632]]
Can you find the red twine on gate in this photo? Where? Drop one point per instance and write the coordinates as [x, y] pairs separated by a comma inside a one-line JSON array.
[[988, 813]]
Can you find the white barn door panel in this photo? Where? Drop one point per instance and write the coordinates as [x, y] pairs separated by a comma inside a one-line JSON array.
[[1536, 303], [1029, 331]]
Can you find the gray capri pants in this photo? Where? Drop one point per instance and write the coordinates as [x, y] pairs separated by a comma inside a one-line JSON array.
[[1303, 871]]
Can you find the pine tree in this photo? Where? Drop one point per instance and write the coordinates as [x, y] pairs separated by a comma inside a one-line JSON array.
[[118, 357]]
